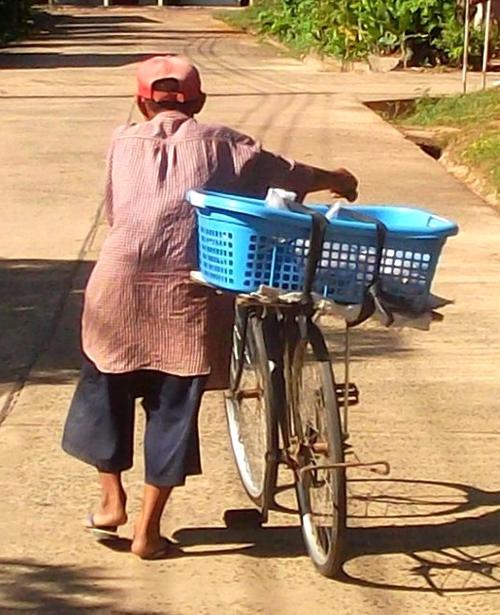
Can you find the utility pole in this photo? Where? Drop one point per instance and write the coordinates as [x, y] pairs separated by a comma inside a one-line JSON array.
[[466, 46], [486, 48]]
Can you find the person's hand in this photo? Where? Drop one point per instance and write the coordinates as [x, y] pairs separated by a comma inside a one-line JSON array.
[[344, 184]]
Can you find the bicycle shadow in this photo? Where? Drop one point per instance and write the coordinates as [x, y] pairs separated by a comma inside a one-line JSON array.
[[458, 555], [445, 538], [366, 342]]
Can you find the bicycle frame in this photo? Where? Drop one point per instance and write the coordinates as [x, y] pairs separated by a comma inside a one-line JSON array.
[[285, 326]]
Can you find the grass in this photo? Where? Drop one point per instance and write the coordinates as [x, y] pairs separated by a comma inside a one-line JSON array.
[[484, 154], [456, 111], [476, 142], [242, 19]]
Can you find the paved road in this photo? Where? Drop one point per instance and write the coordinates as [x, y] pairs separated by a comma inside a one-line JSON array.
[[427, 539]]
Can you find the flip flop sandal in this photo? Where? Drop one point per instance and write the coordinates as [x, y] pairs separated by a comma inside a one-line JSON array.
[[100, 531], [168, 549]]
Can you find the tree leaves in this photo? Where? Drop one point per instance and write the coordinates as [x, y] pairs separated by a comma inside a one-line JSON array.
[[14, 15], [351, 29]]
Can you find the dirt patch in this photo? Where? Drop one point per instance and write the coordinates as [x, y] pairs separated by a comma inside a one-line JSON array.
[[391, 109]]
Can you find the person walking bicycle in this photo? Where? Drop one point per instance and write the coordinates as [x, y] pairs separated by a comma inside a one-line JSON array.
[[146, 328]]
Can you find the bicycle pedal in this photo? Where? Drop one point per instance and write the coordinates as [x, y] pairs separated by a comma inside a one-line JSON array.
[[352, 394], [243, 518]]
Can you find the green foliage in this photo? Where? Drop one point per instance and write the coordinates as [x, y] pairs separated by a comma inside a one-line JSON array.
[[484, 149], [484, 153], [476, 109], [14, 17], [422, 31], [451, 41]]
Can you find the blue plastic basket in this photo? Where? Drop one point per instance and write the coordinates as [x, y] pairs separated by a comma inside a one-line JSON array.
[[243, 244]]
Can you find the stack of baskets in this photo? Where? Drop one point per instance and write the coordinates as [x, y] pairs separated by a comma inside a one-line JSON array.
[[244, 244]]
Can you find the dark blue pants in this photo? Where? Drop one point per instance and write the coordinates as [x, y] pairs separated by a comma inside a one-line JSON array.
[[99, 428]]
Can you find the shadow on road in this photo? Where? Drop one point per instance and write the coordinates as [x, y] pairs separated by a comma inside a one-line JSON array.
[[30, 586], [102, 30], [121, 38], [68, 60], [268, 542], [366, 343], [455, 556], [33, 296], [264, 542], [97, 19]]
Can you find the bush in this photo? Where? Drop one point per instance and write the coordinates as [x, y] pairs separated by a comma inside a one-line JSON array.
[[14, 18], [451, 42], [421, 31]]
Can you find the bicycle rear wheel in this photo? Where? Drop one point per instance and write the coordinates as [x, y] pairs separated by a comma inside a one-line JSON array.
[[321, 490], [250, 408]]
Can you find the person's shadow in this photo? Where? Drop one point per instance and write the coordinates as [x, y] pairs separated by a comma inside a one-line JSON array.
[[459, 554]]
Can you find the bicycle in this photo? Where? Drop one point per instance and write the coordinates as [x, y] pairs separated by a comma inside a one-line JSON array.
[[285, 371], [281, 363], [284, 406]]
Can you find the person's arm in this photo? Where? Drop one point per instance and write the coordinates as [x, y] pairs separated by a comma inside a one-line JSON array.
[[271, 170], [340, 182]]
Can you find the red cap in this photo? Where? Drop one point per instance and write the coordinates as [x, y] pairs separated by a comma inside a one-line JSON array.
[[169, 66]]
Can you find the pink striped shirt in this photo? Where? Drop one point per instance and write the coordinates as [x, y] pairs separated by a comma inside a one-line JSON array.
[[141, 310]]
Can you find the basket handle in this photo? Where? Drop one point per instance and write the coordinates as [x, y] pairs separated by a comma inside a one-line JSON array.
[[316, 238], [434, 221], [381, 230], [373, 298]]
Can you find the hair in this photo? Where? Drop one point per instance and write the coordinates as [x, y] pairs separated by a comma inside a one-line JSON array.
[[165, 105]]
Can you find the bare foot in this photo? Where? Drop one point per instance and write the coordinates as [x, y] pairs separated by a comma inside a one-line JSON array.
[[111, 513], [158, 548], [106, 518]]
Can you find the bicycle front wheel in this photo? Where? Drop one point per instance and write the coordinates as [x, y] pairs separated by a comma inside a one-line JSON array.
[[320, 487], [249, 408]]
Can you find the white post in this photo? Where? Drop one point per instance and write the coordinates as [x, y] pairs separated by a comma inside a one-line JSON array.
[[486, 49], [466, 46], [160, 2], [105, 2]]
